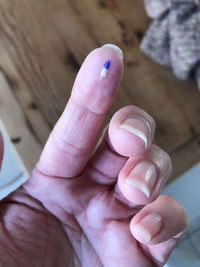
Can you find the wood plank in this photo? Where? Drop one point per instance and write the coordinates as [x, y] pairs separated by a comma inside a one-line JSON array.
[[28, 104], [44, 43], [16, 126]]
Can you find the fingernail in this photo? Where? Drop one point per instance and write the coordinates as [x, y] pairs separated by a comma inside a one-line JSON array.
[[143, 177], [116, 49], [148, 227], [137, 127]]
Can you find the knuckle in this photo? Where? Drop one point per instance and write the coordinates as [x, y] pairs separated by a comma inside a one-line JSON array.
[[161, 159], [67, 147], [131, 111]]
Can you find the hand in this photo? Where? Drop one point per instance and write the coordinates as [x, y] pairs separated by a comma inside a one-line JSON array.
[[94, 207]]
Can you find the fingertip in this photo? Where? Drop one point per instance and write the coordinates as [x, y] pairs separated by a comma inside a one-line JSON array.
[[147, 228], [98, 79], [159, 221], [142, 178], [131, 131], [137, 181]]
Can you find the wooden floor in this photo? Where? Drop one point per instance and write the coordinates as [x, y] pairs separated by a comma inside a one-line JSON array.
[[42, 46]]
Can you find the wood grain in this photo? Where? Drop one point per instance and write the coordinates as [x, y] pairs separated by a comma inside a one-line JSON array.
[[22, 137], [42, 46]]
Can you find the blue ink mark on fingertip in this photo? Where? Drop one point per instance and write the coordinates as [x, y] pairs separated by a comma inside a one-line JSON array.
[[107, 65], [105, 69]]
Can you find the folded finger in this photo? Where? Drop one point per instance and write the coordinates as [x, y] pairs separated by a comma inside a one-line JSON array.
[[131, 131], [142, 178], [159, 221], [129, 134]]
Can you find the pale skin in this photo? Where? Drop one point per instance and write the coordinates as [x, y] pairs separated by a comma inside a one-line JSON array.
[[77, 208]]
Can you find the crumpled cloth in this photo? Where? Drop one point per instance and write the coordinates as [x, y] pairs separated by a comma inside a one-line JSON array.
[[173, 38]]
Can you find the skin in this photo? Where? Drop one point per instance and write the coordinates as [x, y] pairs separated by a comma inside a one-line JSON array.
[[76, 209]]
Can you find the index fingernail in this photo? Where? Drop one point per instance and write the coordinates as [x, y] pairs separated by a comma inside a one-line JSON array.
[[116, 48]]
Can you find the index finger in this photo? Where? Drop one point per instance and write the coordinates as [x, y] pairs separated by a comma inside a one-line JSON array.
[[74, 136]]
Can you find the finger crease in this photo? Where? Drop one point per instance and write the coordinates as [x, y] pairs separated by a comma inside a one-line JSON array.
[[69, 148], [87, 108]]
